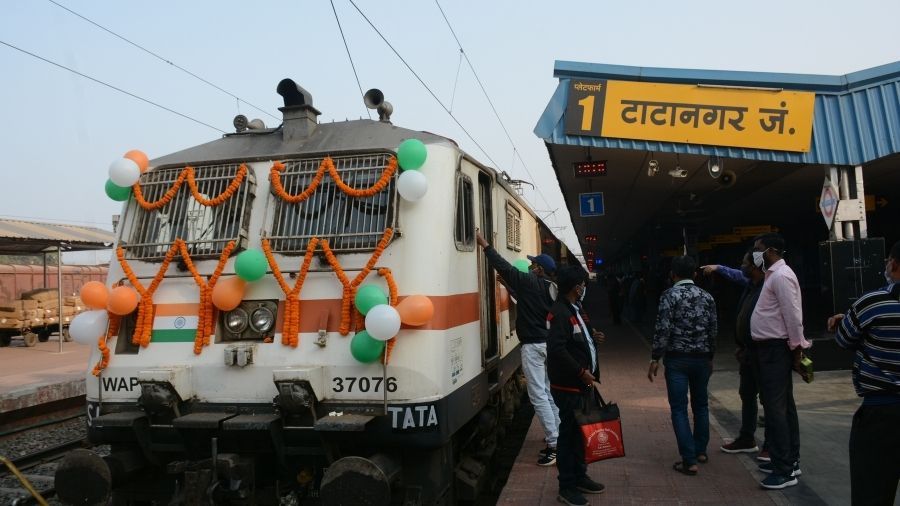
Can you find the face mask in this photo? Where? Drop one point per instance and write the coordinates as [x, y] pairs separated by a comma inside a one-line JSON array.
[[758, 258], [583, 292]]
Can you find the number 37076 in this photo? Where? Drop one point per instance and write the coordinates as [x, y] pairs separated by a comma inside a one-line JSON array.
[[363, 384]]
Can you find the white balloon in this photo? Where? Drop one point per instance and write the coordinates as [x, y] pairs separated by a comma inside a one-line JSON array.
[[412, 185], [124, 172], [87, 327], [382, 322]]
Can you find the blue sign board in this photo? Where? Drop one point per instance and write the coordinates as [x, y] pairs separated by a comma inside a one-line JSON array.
[[591, 204]]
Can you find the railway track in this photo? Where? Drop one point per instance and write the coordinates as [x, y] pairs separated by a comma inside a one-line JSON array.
[[30, 455]]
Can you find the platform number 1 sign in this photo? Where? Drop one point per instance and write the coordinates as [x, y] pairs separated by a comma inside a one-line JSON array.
[[591, 204]]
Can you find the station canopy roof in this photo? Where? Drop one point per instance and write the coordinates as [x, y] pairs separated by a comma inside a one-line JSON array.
[[19, 237], [772, 132]]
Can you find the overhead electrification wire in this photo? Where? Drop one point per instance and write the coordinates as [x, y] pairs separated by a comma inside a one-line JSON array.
[[142, 48], [516, 153], [120, 90], [361, 94], [423, 84]]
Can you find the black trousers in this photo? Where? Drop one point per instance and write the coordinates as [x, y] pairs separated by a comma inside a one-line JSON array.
[[776, 386], [569, 445], [875, 455], [749, 391]]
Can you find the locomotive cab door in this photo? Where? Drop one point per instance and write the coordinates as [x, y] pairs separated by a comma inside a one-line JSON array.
[[486, 278]]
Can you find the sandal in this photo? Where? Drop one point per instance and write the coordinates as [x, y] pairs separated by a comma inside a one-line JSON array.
[[683, 468], [702, 458]]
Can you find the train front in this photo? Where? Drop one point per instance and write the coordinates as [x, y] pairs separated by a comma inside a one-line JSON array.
[[246, 371]]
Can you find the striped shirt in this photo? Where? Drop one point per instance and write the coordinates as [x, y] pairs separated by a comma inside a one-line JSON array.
[[872, 328]]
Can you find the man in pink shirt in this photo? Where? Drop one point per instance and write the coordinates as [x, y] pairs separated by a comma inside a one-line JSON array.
[[776, 327]]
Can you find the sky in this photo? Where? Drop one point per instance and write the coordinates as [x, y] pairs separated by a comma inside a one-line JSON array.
[[64, 130]]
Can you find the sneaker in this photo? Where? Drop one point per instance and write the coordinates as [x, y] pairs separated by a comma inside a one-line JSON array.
[[777, 481], [548, 457], [571, 497], [767, 468], [764, 456], [738, 446], [589, 486]]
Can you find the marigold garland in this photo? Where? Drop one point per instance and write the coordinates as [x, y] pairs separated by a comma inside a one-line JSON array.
[[187, 174], [290, 330], [350, 287], [111, 330], [143, 327], [392, 290], [205, 312], [327, 165]]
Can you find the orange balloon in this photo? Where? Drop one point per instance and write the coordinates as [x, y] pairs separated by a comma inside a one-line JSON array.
[[94, 295], [415, 310], [138, 157], [228, 293], [123, 300]]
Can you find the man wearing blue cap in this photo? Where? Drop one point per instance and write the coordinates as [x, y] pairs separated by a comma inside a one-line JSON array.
[[534, 293]]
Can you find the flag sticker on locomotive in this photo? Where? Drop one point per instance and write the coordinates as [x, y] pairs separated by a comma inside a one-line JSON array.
[[175, 323]]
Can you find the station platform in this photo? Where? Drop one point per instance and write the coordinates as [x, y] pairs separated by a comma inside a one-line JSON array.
[[645, 475], [41, 374]]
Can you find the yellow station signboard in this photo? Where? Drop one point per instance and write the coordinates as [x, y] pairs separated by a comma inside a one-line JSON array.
[[692, 114]]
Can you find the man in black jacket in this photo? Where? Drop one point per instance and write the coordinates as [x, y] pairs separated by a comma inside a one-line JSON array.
[[572, 364], [534, 294]]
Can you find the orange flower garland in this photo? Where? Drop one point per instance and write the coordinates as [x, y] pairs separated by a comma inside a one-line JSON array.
[[111, 330], [392, 289], [143, 328], [290, 331], [327, 165], [187, 174], [351, 287], [205, 312]]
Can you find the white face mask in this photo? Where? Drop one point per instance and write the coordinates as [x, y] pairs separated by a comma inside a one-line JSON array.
[[758, 259], [583, 292]]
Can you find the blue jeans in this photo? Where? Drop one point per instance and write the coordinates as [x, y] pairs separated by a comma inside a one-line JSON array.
[[685, 374], [534, 366]]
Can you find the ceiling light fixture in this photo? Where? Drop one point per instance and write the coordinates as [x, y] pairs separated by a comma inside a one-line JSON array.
[[714, 164]]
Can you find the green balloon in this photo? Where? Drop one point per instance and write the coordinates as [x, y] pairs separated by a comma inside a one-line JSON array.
[[116, 192], [411, 154], [522, 265], [369, 296], [365, 348], [251, 265]]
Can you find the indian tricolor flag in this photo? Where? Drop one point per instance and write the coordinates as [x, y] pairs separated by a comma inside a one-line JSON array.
[[175, 323]]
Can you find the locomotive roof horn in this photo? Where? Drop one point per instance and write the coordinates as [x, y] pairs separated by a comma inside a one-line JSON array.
[[374, 99]]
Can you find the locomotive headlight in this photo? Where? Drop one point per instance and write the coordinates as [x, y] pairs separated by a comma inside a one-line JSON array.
[[236, 321], [262, 319]]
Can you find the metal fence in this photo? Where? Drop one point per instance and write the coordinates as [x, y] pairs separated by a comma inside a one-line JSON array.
[[206, 230], [351, 224]]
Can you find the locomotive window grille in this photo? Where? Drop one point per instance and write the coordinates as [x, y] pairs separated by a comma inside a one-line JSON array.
[[351, 224], [205, 230], [464, 230], [513, 227]]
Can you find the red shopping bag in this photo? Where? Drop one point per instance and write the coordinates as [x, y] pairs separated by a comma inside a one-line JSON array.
[[601, 429]]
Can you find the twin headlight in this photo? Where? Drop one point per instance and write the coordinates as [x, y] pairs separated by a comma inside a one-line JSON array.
[[253, 319]]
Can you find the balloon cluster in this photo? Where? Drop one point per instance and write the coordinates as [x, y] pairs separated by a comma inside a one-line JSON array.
[[124, 173], [86, 327], [250, 265], [383, 320], [412, 184]]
